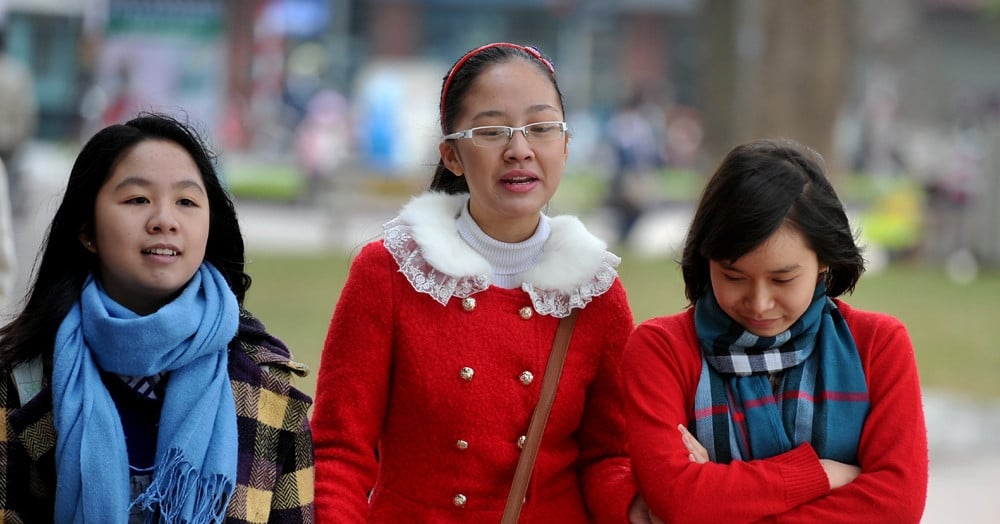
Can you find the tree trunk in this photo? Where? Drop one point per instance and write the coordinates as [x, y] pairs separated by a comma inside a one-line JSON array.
[[804, 72], [776, 68], [718, 24]]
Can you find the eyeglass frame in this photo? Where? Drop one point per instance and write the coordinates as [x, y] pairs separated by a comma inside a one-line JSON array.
[[564, 128]]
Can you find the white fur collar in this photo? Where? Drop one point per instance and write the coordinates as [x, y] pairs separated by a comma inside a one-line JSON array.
[[424, 239]]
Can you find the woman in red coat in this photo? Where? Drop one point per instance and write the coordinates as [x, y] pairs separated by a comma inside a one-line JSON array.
[[436, 350], [800, 408]]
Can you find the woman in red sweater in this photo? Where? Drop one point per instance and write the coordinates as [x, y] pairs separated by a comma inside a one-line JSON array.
[[436, 350], [800, 408]]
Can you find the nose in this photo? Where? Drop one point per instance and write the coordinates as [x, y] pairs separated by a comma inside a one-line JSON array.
[[759, 300], [518, 148], [162, 220]]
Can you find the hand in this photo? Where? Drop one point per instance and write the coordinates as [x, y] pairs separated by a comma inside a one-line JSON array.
[[696, 452], [840, 474], [638, 512]]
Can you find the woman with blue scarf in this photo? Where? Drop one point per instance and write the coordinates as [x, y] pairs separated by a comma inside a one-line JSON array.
[[134, 385], [769, 399]]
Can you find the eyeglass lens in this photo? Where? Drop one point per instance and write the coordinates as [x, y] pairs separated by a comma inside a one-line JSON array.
[[499, 135]]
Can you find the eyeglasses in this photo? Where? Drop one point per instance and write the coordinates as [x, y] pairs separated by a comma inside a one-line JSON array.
[[497, 136]]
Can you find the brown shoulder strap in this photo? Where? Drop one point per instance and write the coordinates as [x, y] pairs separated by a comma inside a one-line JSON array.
[[536, 427]]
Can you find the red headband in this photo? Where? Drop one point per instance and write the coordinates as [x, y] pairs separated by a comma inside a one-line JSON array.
[[465, 58]]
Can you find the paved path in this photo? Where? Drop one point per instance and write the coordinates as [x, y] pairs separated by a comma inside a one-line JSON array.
[[964, 437]]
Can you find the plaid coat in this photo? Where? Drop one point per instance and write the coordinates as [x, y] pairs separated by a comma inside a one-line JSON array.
[[275, 476]]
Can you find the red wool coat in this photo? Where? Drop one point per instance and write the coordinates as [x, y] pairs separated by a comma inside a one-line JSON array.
[[445, 391]]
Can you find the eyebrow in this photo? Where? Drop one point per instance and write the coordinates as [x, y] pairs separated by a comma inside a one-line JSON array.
[[143, 182], [783, 269], [492, 113]]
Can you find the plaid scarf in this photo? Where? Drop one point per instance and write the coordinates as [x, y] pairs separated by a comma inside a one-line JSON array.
[[819, 398]]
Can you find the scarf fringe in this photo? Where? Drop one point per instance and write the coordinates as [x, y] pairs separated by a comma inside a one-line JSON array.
[[174, 484]]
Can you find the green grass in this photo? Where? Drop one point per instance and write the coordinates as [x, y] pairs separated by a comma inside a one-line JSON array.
[[955, 328], [256, 180]]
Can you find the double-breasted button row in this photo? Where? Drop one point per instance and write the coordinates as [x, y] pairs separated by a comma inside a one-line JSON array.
[[525, 377], [469, 304], [463, 445]]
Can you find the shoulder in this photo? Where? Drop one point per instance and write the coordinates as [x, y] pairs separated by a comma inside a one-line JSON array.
[[881, 338], [675, 333], [372, 254], [668, 341], [372, 268], [610, 310], [260, 359], [868, 324], [673, 325]]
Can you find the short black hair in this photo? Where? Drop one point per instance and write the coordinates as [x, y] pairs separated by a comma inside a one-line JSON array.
[[759, 187]]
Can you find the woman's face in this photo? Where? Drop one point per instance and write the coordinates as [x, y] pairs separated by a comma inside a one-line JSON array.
[[769, 288], [151, 223], [511, 183]]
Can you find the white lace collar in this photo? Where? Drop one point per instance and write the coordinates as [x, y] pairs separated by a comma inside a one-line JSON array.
[[575, 265]]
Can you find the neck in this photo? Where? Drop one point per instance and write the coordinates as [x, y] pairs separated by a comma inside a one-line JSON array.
[[510, 230]]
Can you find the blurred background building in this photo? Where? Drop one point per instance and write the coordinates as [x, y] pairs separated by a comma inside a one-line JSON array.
[[902, 97]]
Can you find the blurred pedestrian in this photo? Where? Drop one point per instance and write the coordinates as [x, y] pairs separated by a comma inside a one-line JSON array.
[[323, 140], [134, 386], [19, 108], [637, 133], [801, 408], [436, 354]]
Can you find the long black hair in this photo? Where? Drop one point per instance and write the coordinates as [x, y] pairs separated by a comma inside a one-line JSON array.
[[64, 263], [456, 84], [759, 187]]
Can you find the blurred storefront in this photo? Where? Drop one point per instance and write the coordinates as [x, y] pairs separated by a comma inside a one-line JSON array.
[[48, 36]]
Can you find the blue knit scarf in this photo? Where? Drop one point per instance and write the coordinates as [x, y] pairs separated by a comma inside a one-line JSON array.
[[821, 397], [195, 469]]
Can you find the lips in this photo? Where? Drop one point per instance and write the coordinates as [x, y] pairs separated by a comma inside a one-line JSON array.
[[161, 251], [519, 180], [519, 177]]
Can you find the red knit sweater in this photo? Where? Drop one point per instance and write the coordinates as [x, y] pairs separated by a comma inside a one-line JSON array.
[[661, 368], [391, 377]]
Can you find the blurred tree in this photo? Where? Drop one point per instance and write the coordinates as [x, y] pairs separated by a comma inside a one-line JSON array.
[[719, 28], [775, 68]]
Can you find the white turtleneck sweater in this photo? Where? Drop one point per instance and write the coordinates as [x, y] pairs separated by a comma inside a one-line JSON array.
[[507, 260]]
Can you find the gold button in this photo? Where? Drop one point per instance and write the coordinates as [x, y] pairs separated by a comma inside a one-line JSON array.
[[468, 303], [466, 373], [459, 500], [526, 312], [461, 444], [521, 441], [526, 377]]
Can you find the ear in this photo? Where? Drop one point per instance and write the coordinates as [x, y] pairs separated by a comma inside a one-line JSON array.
[[88, 244], [449, 155]]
